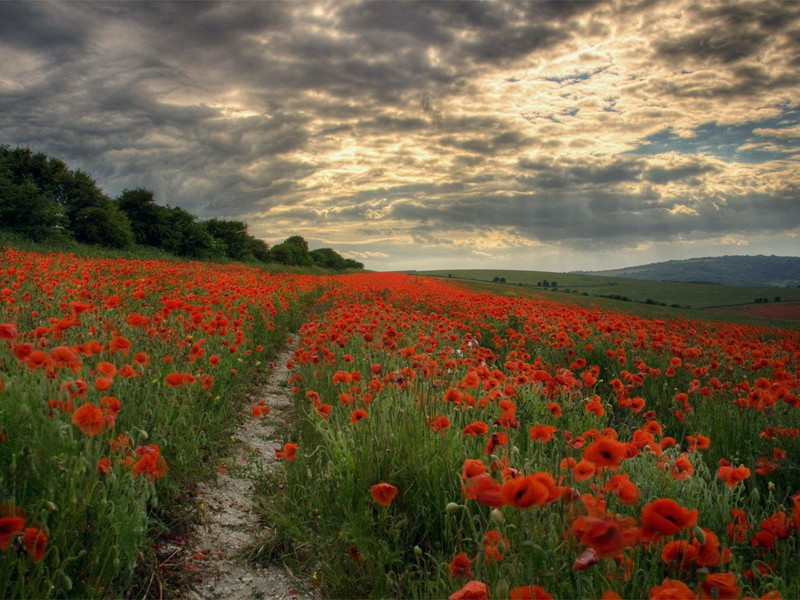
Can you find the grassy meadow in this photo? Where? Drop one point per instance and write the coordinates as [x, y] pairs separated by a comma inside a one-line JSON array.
[[445, 441], [686, 295]]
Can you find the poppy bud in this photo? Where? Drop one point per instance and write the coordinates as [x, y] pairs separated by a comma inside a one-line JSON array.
[[417, 551], [66, 582], [501, 590], [452, 507], [498, 517], [50, 505], [700, 534]]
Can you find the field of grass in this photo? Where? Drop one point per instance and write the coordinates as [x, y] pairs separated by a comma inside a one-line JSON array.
[[443, 443], [688, 295], [734, 314]]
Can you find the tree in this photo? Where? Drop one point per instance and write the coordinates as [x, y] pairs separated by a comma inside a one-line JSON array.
[[292, 251], [328, 258], [104, 225], [234, 233], [27, 210], [259, 249], [149, 221]]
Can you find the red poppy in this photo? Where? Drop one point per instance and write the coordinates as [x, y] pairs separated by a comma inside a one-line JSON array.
[[35, 542], [732, 475], [529, 592], [607, 535], [358, 415], [719, 586], [460, 566], [150, 463], [606, 452], [672, 589], [9, 527], [524, 492], [624, 488], [89, 418], [665, 517], [542, 433], [476, 428], [289, 451], [383, 493], [472, 590]]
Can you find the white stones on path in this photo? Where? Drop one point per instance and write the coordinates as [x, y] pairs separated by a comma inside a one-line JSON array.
[[228, 523]]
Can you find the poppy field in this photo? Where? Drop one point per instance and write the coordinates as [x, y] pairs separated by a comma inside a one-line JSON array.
[[445, 443], [116, 386], [451, 444]]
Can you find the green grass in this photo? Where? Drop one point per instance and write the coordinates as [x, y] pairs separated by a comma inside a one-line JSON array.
[[650, 311], [691, 295], [16, 241]]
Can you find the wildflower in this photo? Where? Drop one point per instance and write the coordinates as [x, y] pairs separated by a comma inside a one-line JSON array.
[[383, 493], [472, 590], [665, 517], [289, 452], [89, 418], [35, 542]]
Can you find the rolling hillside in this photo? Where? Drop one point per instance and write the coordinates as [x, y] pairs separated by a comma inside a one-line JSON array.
[[778, 271]]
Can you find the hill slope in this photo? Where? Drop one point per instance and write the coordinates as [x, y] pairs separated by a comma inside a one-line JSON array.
[[780, 271]]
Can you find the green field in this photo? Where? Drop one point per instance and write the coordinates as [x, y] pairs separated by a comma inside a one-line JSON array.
[[668, 299], [688, 295]]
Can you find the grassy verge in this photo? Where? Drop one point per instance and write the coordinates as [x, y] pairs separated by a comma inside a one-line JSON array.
[[120, 381], [392, 379]]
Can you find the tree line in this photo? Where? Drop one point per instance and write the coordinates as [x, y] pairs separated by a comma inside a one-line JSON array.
[[43, 199]]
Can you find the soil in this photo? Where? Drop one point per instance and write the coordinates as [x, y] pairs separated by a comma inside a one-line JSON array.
[[227, 523]]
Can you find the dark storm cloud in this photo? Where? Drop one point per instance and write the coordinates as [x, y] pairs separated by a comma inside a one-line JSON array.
[[574, 220], [416, 118], [733, 31], [34, 26]]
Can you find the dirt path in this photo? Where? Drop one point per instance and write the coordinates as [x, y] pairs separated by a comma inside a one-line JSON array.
[[228, 523]]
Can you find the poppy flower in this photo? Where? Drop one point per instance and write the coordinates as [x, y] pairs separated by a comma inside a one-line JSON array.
[[35, 542], [89, 418], [542, 433], [682, 468], [8, 331], [461, 565], [624, 488], [179, 379], [698, 442], [289, 451], [732, 475], [473, 469], [453, 395], [665, 517], [485, 490], [672, 589], [607, 535], [383, 493], [472, 590], [476, 428], [524, 492], [358, 415], [9, 527], [679, 554], [584, 470], [529, 592], [606, 452], [150, 462], [719, 586]]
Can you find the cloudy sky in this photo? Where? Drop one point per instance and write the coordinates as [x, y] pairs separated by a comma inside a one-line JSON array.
[[530, 135]]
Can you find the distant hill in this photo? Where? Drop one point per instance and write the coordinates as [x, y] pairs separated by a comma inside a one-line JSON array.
[[778, 271]]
